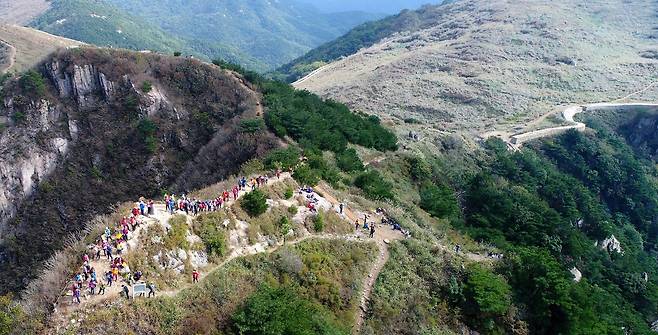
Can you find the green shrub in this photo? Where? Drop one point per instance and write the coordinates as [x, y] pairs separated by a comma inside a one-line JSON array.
[[306, 176], [318, 223], [177, 53], [374, 186], [487, 296], [439, 201], [33, 82], [147, 86], [419, 169], [254, 203], [292, 209], [10, 313], [18, 117], [282, 311], [349, 161], [252, 125], [147, 130], [252, 166], [288, 193], [284, 225], [215, 240], [324, 124], [282, 158], [177, 235]]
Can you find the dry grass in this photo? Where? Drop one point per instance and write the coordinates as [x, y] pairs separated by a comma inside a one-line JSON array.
[[32, 46], [21, 12]]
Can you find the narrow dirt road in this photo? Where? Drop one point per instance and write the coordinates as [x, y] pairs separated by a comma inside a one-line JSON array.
[[11, 58]]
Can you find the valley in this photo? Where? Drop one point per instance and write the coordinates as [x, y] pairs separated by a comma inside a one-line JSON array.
[[472, 167]]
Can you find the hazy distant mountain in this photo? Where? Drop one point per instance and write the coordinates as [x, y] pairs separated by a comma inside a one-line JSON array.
[[258, 34], [273, 32], [371, 6]]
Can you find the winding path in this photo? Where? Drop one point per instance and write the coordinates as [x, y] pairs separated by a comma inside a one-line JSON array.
[[517, 141], [11, 58]]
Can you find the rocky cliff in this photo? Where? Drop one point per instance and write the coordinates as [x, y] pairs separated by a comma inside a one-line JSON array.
[[110, 126]]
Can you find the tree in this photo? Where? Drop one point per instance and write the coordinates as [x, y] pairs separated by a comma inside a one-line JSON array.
[[349, 161], [254, 203], [374, 186], [9, 314], [33, 82], [281, 311], [439, 201]]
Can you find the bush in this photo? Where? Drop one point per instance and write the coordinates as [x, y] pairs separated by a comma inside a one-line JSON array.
[[318, 223], [288, 193], [279, 311], [252, 166], [439, 201], [214, 239], [147, 86], [487, 296], [147, 130], [349, 161], [284, 225], [306, 176], [9, 314], [33, 82], [324, 124], [282, 158], [374, 186], [419, 169], [177, 53], [18, 117], [254, 203], [292, 209], [252, 125], [177, 235]]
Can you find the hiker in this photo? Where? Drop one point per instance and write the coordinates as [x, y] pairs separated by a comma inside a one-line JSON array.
[[125, 291], [151, 210], [151, 288], [340, 207], [458, 248], [356, 224], [92, 287], [137, 275], [278, 173], [195, 276], [142, 207], [76, 294], [108, 278], [101, 288], [372, 230]]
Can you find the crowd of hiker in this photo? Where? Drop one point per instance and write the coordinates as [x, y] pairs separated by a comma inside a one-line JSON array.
[[193, 206], [112, 244], [110, 247]]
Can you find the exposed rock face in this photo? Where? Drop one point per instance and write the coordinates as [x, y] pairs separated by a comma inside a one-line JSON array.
[[30, 154], [577, 275], [612, 244], [93, 140]]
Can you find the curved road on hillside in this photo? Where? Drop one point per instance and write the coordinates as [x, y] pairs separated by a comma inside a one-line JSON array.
[[517, 141]]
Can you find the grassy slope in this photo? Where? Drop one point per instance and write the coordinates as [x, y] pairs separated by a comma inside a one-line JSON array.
[[362, 36], [323, 271], [484, 65], [32, 46]]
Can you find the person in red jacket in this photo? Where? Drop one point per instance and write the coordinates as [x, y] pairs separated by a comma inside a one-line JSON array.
[[195, 276]]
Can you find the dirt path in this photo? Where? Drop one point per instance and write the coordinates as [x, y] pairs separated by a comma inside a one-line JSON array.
[[11, 58], [517, 141]]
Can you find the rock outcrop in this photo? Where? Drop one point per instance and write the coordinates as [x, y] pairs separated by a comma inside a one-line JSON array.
[[611, 244]]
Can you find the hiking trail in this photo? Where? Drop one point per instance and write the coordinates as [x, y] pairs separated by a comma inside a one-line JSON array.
[[11, 57]]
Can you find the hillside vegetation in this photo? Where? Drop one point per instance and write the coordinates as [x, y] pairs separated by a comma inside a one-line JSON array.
[[481, 66], [259, 34]]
